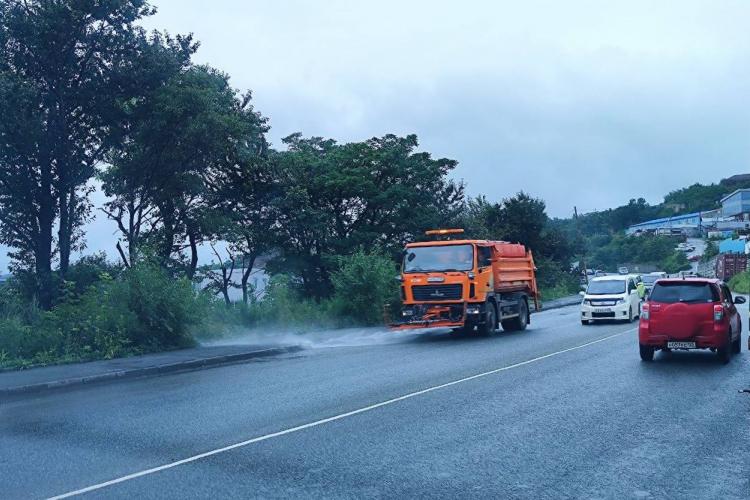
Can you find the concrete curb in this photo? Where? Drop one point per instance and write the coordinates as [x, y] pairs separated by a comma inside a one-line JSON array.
[[560, 303], [188, 365]]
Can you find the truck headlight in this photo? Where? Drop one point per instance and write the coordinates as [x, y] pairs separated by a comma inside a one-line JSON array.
[[472, 310], [407, 312]]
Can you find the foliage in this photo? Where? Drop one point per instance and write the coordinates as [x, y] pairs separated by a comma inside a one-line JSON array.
[[609, 253], [698, 197], [145, 310], [164, 196], [740, 283], [336, 198], [363, 284], [285, 305], [711, 251], [65, 67], [675, 263]]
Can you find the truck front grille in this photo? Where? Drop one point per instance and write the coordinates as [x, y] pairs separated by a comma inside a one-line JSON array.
[[437, 292]]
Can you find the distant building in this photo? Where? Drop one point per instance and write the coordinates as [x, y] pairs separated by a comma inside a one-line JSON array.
[[736, 205], [688, 224]]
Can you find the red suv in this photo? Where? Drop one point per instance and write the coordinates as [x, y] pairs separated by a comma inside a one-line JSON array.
[[693, 313]]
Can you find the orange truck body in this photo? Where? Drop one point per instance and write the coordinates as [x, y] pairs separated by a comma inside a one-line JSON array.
[[500, 288]]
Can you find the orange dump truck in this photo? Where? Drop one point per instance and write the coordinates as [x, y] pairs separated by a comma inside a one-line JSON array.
[[467, 284]]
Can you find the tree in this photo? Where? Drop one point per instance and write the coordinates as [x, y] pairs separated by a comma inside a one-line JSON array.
[[165, 196], [222, 280], [379, 193], [244, 195], [64, 68]]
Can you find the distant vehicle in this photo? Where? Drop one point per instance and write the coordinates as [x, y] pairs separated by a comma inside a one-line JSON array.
[[694, 258], [623, 270], [610, 298], [685, 247], [650, 278], [695, 313]]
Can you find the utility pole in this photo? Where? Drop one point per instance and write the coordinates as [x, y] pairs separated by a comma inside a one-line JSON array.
[[578, 232]]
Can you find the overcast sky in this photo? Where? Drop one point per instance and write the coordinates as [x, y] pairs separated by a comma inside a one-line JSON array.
[[585, 103]]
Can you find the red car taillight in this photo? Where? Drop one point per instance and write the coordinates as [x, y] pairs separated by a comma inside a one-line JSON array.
[[644, 311], [718, 313]]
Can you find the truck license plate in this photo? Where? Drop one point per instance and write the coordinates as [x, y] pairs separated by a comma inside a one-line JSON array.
[[681, 345], [602, 310]]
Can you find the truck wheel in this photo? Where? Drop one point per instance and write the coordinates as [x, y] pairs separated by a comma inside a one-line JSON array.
[[519, 323], [647, 352], [490, 320]]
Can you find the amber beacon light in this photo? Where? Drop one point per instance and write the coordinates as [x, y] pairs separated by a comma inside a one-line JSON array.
[[434, 232]]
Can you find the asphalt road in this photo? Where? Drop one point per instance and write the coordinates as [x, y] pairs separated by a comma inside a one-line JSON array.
[[559, 411]]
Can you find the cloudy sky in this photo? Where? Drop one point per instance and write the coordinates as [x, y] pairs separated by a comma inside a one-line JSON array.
[[585, 103]]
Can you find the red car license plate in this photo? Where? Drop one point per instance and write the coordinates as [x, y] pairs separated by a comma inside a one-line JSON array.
[[681, 345]]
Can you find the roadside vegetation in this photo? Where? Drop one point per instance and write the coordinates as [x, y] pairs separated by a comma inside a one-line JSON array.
[[740, 283], [90, 100]]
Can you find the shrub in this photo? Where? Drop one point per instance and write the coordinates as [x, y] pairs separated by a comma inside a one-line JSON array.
[[284, 304], [90, 270], [740, 283], [675, 263], [165, 308], [363, 284]]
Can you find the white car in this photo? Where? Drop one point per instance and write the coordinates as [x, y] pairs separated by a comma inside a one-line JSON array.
[[610, 298]]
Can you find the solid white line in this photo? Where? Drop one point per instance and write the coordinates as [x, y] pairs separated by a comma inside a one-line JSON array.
[[323, 421]]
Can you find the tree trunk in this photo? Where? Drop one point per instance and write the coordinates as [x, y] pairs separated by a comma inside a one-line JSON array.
[[63, 232], [43, 243], [249, 260], [225, 292], [193, 255]]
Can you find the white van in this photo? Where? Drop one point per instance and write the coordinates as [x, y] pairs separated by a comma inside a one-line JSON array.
[[610, 298]]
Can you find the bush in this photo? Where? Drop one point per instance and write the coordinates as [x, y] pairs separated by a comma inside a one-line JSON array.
[[712, 250], [90, 270], [165, 308], [284, 304], [144, 310], [554, 281], [675, 263], [363, 284], [740, 283]]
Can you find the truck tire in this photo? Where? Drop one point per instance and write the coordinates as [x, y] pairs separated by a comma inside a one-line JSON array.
[[519, 323], [490, 320]]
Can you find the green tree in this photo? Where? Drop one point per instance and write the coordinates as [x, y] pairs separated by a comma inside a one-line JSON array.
[[336, 198], [166, 196], [64, 68]]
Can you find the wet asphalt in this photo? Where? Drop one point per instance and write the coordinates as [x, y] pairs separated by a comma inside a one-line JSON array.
[[561, 410]]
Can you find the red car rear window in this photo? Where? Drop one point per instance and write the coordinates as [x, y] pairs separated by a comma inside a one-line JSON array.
[[670, 293]]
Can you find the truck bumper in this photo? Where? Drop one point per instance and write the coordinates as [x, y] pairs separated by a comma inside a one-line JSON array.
[[454, 315]]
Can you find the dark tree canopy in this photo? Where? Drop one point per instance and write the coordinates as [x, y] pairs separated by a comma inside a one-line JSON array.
[[336, 198], [66, 68]]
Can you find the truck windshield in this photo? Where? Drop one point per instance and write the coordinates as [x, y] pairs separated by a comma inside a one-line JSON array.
[[439, 258], [606, 287], [650, 279], [669, 293]]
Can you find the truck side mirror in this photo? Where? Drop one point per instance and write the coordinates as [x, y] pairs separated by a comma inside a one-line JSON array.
[[582, 293], [740, 300]]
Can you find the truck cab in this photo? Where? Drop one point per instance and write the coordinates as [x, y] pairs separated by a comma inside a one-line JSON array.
[[466, 284]]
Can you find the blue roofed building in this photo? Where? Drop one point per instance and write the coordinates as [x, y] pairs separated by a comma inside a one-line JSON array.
[[689, 224]]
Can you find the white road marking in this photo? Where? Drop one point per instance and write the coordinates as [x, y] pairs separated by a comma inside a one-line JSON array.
[[291, 430]]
